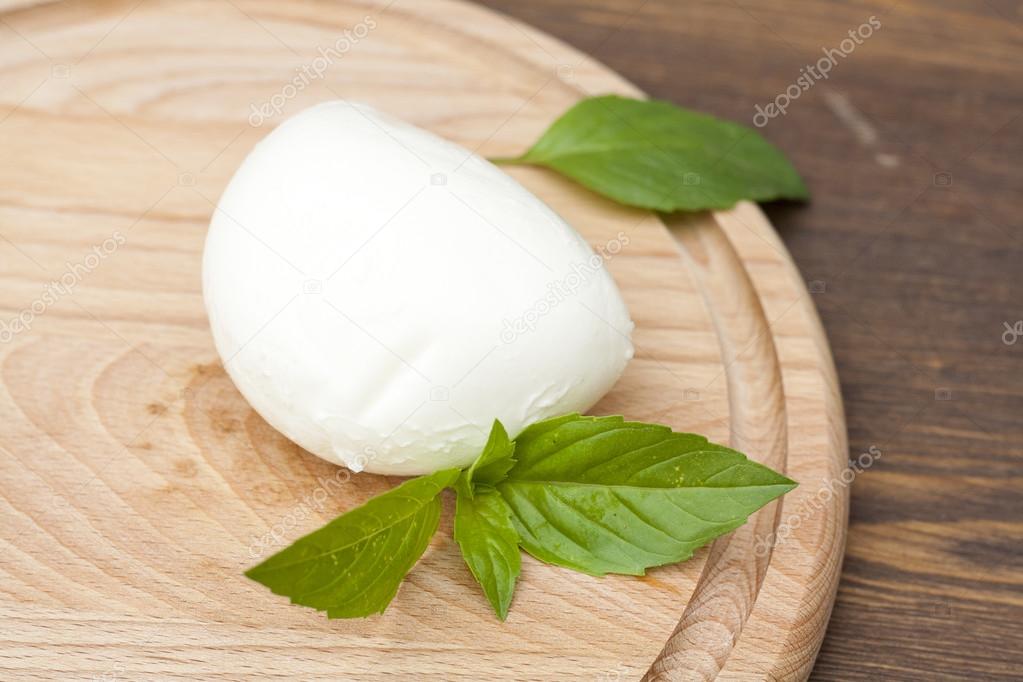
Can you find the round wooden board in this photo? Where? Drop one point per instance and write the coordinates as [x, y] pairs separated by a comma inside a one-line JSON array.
[[136, 484]]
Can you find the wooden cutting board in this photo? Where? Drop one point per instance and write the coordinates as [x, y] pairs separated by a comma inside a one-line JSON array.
[[136, 484]]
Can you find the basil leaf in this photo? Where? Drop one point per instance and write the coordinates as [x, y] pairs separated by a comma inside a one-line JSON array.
[[489, 543], [353, 566], [658, 156], [602, 495], [494, 462]]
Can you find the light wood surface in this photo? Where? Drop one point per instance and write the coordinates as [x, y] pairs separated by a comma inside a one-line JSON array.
[[135, 482]]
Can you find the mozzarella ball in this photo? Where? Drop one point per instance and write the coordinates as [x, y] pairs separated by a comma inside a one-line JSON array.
[[380, 295]]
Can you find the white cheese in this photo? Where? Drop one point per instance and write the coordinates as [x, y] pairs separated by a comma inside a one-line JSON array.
[[380, 295]]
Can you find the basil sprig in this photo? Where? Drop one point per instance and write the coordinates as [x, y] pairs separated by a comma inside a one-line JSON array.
[[353, 566], [655, 155], [595, 494]]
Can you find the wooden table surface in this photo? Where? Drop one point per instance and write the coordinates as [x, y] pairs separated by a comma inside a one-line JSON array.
[[913, 244]]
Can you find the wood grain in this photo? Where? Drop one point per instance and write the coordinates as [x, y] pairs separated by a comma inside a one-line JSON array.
[[914, 238], [135, 482]]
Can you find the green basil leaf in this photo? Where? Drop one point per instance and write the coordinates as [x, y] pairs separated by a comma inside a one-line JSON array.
[[353, 566], [658, 156], [489, 543], [493, 464], [602, 495]]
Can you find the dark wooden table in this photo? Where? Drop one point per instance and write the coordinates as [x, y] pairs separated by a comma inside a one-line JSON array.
[[911, 148]]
